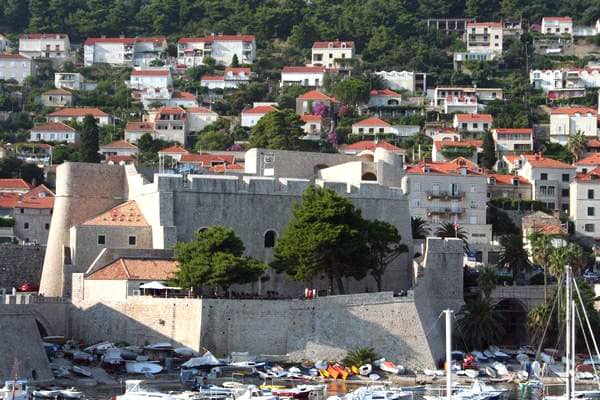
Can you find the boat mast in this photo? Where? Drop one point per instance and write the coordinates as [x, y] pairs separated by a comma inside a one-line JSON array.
[[448, 313], [573, 319], [568, 309]]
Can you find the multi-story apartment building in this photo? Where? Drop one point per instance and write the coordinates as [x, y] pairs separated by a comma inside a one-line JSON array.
[[549, 178], [472, 123], [557, 25], [332, 54], [57, 98], [150, 78], [513, 139], [138, 52], [441, 94], [454, 192], [547, 79], [582, 77], [584, 205], [412, 82], [170, 124], [191, 52], [33, 213], [17, 67], [461, 104], [53, 132], [231, 79], [79, 114], [72, 81], [303, 76], [507, 186], [484, 37], [566, 121], [44, 45]]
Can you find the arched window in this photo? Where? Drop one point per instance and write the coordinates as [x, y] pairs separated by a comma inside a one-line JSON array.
[[270, 238], [369, 176]]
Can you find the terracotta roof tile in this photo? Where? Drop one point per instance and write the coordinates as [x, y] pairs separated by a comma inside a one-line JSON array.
[[370, 145], [226, 167], [119, 144], [383, 93], [539, 161], [14, 183], [260, 110], [159, 39], [440, 144], [120, 159], [592, 143], [59, 91], [508, 131], [176, 149], [311, 118], [205, 159], [8, 200], [474, 118], [335, 44], [302, 70], [592, 159], [140, 127], [507, 179], [238, 70], [315, 95], [78, 112], [558, 19], [39, 197], [445, 168], [136, 269], [484, 24], [200, 110], [573, 110], [126, 214], [372, 121], [184, 95], [218, 38], [150, 72], [53, 127]]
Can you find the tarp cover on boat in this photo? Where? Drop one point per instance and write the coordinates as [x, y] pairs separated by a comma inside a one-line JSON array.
[[206, 360]]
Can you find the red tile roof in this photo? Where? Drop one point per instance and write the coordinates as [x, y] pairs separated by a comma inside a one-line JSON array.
[[125, 214], [13, 184], [176, 149], [140, 126], [91, 41], [205, 159], [200, 110], [35, 36], [315, 95], [507, 179], [226, 167], [548, 229], [508, 131], [440, 144], [8, 200], [59, 91], [573, 110], [592, 143], [474, 118], [120, 159], [371, 145], [78, 112], [212, 78], [484, 24], [39, 197], [302, 70], [184, 95], [592, 159], [446, 168], [119, 144], [13, 57], [139, 269], [336, 44], [310, 118], [218, 38], [539, 161], [372, 121], [383, 93], [593, 175], [150, 72], [53, 127], [559, 19], [238, 70], [170, 110], [259, 110]]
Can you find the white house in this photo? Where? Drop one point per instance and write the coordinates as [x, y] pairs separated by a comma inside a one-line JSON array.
[[547, 79], [124, 51], [17, 67], [372, 126], [448, 150], [192, 51], [440, 94], [53, 132], [44, 45], [384, 98], [200, 117], [332, 54], [118, 148], [135, 130], [4, 43], [513, 139], [313, 126], [167, 97], [231, 79], [412, 82], [588, 163], [251, 116], [461, 104], [549, 178], [584, 207], [68, 80], [582, 77], [557, 25], [475, 123], [79, 114], [566, 121], [170, 124], [303, 76], [150, 78], [484, 37]]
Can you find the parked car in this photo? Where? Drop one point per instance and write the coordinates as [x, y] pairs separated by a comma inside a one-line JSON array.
[[28, 287]]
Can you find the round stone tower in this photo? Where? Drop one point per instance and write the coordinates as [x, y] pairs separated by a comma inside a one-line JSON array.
[[82, 191]]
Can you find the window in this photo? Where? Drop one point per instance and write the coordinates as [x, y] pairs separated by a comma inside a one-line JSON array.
[[590, 211], [550, 190], [475, 125], [132, 240], [566, 177], [473, 187], [436, 188], [485, 126], [543, 177], [46, 226], [26, 225], [543, 190], [550, 206], [270, 237], [464, 126], [590, 193], [101, 239], [22, 210], [564, 193], [588, 227]]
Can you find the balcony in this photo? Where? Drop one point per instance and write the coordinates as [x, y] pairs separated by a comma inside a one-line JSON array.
[[446, 196], [445, 211]]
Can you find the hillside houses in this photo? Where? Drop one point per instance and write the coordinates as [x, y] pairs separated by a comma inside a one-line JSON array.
[[222, 48]]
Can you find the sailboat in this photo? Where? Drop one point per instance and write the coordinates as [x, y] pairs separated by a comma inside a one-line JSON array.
[[570, 367]]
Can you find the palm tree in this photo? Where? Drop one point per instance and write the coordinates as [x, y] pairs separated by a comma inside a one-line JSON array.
[[450, 230], [514, 256], [360, 356], [576, 144], [541, 251], [419, 228], [480, 324], [487, 280], [571, 254]]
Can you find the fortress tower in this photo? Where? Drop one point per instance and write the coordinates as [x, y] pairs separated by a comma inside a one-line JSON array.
[[82, 191]]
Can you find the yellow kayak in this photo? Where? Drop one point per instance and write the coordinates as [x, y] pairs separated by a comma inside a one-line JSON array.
[[354, 369], [324, 373]]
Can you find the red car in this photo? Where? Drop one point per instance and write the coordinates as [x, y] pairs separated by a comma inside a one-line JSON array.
[[28, 287]]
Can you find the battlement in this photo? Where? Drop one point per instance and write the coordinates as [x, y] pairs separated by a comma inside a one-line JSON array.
[[265, 185]]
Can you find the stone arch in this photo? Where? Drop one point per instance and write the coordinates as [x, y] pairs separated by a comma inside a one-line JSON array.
[[368, 176], [514, 314], [270, 238]]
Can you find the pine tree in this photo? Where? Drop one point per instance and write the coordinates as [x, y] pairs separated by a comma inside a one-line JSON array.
[[90, 140], [488, 156], [235, 62]]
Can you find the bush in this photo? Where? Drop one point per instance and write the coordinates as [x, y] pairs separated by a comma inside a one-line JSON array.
[[7, 222]]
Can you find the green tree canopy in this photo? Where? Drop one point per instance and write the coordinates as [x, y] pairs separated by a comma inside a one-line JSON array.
[[419, 228], [352, 91], [214, 258], [385, 245], [326, 235], [278, 130], [513, 255], [90, 141], [488, 155], [213, 140], [480, 324], [450, 230]]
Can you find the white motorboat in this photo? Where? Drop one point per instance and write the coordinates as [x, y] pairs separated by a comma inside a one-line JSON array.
[[52, 393], [70, 393], [143, 367], [365, 370], [376, 393], [112, 358], [500, 368], [136, 390], [81, 371], [15, 390]]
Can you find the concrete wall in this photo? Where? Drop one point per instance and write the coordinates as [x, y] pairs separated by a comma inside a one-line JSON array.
[[529, 295]]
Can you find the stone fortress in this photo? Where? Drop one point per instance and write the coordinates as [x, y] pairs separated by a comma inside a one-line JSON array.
[[105, 211]]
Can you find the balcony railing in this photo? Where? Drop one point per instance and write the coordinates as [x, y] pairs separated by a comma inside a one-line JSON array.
[[445, 195], [445, 211]]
